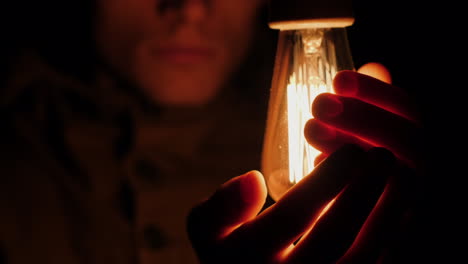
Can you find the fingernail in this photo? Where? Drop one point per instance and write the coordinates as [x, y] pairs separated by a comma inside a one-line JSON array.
[[327, 106], [238, 189], [345, 83], [248, 187]]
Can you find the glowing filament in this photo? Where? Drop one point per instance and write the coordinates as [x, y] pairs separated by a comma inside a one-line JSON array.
[[299, 100], [306, 63]]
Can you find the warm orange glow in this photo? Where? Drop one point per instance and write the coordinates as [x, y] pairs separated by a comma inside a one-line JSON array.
[[324, 210], [299, 100], [288, 250]]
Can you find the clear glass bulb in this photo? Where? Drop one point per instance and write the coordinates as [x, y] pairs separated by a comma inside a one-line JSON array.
[[306, 62]]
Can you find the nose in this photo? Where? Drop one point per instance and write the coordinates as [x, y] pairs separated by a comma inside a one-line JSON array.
[[191, 10]]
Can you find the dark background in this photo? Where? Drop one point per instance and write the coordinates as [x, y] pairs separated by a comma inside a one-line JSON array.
[[419, 42]]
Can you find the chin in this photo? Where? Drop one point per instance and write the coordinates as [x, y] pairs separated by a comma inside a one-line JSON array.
[[181, 90], [180, 85], [181, 95]]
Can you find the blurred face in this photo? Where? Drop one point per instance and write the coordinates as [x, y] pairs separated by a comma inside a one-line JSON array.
[[180, 52]]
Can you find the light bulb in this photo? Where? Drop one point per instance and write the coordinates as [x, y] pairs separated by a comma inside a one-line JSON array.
[[312, 48]]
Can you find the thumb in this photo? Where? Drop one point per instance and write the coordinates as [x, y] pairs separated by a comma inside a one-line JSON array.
[[377, 71], [234, 203]]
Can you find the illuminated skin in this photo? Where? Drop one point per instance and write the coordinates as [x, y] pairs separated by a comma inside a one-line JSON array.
[[395, 128], [179, 52], [228, 225]]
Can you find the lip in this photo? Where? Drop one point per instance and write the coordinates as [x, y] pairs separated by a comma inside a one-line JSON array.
[[184, 55]]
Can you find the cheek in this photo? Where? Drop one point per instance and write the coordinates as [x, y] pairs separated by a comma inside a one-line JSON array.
[[240, 24], [120, 26], [236, 37]]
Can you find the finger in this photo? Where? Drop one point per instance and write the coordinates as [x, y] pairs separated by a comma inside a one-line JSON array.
[[328, 139], [377, 71], [376, 92], [370, 123], [281, 224], [384, 221], [336, 230], [237, 201], [321, 157]]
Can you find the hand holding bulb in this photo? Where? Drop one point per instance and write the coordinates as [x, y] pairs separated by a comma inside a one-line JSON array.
[[229, 227], [366, 112]]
